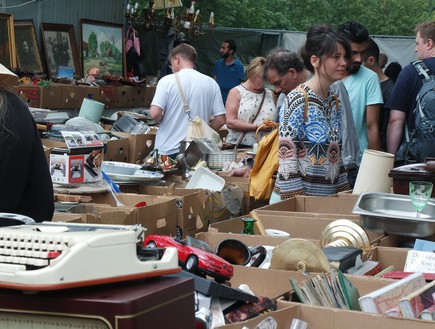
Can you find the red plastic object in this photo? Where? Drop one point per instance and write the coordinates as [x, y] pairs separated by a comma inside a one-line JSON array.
[[140, 204]]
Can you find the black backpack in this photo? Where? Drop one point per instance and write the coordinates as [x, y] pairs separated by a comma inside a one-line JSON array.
[[420, 141]]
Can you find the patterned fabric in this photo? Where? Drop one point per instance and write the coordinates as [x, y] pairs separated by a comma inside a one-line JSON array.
[[310, 160], [249, 103]]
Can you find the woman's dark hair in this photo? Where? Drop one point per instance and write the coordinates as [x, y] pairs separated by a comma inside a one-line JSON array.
[[322, 42], [392, 70]]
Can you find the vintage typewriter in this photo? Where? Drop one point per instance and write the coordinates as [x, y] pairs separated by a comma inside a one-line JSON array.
[[57, 255]]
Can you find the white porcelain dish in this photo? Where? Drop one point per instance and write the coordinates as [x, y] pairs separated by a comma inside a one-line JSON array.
[[203, 178], [273, 232]]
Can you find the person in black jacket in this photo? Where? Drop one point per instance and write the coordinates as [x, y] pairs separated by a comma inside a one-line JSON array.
[[26, 186]]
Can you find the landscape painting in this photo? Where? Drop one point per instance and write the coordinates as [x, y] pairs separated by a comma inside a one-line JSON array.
[[102, 46]]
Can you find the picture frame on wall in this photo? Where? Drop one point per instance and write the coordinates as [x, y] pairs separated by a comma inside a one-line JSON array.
[[7, 41], [60, 50], [103, 47], [27, 49]]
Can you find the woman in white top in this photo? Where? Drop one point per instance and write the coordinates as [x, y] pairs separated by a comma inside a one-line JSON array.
[[246, 109]]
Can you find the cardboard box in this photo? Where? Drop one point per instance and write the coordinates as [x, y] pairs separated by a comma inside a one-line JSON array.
[[80, 162], [47, 152], [122, 96], [193, 209], [68, 217], [213, 238], [262, 282], [319, 317], [105, 214], [315, 204], [389, 256], [135, 96], [159, 216], [140, 145], [274, 283], [41, 97], [326, 318], [108, 95], [72, 95], [150, 91], [243, 183], [116, 149], [50, 143], [304, 226]]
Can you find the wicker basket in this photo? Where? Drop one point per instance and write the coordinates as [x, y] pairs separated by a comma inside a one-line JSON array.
[[217, 160]]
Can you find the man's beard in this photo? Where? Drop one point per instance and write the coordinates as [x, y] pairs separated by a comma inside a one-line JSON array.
[[225, 55], [354, 68]]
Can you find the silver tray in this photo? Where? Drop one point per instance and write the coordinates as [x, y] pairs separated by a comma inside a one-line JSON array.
[[394, 214], [122, 172]]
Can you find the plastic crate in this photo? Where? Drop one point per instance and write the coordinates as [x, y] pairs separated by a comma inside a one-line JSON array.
[[217, 160]]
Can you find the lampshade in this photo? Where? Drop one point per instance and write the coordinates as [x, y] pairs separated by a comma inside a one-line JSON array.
[[165, 4]]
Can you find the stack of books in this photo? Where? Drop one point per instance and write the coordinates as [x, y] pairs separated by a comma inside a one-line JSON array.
[[410, 297], [332, 290]]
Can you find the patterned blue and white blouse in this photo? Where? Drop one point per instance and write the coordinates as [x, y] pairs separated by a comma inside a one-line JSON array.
[[309, 153]]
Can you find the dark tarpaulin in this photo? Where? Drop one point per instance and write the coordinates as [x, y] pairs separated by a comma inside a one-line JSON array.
[[249, 45]]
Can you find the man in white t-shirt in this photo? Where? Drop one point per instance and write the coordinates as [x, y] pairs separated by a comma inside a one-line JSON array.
[[202, 94]]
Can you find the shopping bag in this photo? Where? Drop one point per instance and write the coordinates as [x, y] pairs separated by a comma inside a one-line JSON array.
[[261, 179], [199, 128]]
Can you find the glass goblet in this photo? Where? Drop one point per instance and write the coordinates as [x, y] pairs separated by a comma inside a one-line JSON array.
[[420, 193]]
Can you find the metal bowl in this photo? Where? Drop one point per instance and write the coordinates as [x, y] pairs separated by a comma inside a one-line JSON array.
[[394, 214]]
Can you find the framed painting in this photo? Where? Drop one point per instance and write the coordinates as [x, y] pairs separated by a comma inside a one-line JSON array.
[[102, 46], [60, 49], [26, 45], [7, 41]]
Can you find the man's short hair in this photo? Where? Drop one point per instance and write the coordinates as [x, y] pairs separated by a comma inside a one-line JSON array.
[[185, 51], [372, 50], [427, 30], [231, 45], [354, 32], [281, 60]]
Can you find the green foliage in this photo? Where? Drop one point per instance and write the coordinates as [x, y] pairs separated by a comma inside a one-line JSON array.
[[381, 17], [92, 44]]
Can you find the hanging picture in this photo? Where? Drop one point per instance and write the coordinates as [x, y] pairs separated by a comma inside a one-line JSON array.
[[26, 44], [102, 46], [7, 41], [60, 49]]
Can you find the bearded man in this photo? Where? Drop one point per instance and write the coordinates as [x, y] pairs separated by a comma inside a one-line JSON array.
[[228, 71]]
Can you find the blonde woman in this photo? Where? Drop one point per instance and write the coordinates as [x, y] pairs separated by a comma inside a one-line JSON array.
[[248, 106]]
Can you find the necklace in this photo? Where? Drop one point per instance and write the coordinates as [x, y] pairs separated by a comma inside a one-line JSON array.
[[252, 90]]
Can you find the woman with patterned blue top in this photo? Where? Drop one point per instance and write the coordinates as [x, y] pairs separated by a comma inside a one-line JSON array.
[[310, 160]]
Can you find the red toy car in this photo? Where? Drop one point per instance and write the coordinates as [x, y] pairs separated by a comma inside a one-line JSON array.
[[193, 259]]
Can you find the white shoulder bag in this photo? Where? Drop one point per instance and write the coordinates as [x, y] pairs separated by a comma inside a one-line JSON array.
[[197, 127]]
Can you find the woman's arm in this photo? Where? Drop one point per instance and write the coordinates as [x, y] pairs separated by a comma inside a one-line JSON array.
[[232, 108], [289, 152]]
